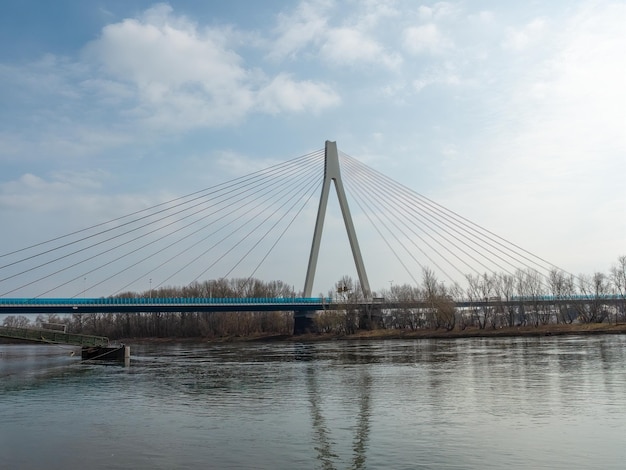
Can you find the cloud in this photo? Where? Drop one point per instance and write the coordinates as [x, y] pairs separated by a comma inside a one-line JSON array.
[[186, 77], [521, 39], [308, 28], [444, 74], [158, 72], [347, 46], [557, 141], [60, 140], [295, 31], [43, 207], [33, 194], [164, 51], [283, 93], [426, 39], [438, 11]]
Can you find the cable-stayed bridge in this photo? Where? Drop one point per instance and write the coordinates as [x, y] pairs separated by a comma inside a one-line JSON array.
[[261, 225]]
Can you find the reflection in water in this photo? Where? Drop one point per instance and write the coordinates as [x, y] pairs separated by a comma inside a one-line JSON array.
[[475, 404], [321, 433], [363, 423]]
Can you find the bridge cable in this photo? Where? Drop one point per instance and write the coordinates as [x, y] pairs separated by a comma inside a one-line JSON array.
[[261, 173], [109, 239], [413, 214], [381, 199], [232, 211], [142, 247], [490, 244], [283, 189], [99, 243], [241, 240], [298, 212], [228, 183], [176, 255]]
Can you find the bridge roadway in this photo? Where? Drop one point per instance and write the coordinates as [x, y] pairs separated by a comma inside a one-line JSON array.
[[295, 304], [168, 304]]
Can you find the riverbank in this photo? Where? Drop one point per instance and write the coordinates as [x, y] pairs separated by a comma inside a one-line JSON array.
[[381, 334]]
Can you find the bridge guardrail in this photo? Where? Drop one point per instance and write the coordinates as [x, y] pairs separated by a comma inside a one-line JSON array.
[[160, 301]]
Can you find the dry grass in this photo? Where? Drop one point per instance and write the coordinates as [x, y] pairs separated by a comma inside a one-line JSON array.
[[542, 330], [473, 332]]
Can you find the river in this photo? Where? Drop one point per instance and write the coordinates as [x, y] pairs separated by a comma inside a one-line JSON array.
[[498, 403]]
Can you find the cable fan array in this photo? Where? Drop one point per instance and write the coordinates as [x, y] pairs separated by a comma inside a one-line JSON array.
[[224, 230], [234, 228], [420, 233]]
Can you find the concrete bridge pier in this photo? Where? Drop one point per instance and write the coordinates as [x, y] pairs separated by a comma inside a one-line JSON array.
[[303, 322], [371, 318]]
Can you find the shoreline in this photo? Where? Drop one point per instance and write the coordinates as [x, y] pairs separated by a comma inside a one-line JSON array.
[[382, 334]]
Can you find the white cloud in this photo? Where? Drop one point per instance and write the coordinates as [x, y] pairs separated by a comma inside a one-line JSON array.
[[162, 72], [295, 31], [181, 77], [375, 12], [531, 34], [308, 28], [284, 94], [347, 46], [443, 74], [557, 152], [484, 17], [60, 141], [31, 193], [426, 39], [438, 11], [165, 49]]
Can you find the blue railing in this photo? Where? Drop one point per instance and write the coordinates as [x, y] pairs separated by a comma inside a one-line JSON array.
[[152, 301], [552, 298], [166, 301]]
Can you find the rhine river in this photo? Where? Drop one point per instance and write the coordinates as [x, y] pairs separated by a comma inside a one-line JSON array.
[[513, 403]]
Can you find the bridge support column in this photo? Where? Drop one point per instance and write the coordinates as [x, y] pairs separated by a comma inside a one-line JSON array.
[[303, 322], [371, 318]]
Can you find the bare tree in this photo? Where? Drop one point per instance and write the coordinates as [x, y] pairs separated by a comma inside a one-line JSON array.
[[480, 290], [594, 289], [19, 321], [618, 281], [530, 288], [348, 295], [504, 288], [441, 310], [563, 290]]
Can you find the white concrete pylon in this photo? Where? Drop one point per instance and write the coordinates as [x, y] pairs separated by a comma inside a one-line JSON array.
[[332, 173]]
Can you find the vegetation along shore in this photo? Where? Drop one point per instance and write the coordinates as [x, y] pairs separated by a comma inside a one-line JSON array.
[[523, 304]]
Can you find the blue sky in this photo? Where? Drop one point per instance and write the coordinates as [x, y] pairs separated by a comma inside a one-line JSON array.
[[513, 114]]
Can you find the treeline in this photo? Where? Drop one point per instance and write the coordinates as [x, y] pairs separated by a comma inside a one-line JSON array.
[[496, 295], [499, 295], [182, 324]]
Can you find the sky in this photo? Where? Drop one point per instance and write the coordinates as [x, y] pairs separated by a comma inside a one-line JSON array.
[[512, 114]]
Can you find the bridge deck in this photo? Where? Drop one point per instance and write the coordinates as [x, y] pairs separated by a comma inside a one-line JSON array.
[[296, 304], [165, 304]]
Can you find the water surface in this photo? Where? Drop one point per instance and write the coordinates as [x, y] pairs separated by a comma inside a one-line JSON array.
[[515, 403]]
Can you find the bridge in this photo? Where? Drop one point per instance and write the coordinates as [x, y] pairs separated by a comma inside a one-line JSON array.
[[199, 240], [172, 304], [257, 304]]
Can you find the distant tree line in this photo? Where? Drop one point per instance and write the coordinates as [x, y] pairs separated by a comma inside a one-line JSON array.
[[183, 324], [496, 291], [499, 294]]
